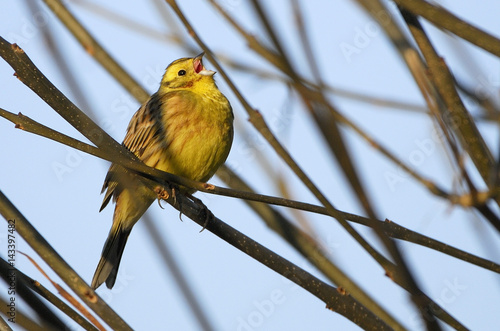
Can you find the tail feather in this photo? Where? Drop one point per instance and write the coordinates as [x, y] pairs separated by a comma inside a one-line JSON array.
[[107, 268], [133, 196]]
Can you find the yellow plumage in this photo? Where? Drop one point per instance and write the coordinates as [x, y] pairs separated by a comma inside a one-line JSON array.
[[185, 128]]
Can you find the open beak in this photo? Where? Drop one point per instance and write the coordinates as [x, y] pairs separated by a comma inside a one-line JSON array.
[[199, 68]]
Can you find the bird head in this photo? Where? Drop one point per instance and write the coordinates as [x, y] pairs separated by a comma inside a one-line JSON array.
[[187, 73]]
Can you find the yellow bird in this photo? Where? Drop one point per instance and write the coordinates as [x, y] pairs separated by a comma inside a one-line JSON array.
[[185, 128]]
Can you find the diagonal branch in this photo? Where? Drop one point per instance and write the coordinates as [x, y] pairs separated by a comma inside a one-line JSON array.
[[442, 18]]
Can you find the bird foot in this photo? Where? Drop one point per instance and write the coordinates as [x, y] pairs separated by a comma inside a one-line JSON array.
[[164, 193]]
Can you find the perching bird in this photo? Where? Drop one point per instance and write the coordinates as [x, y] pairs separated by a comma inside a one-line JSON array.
[[185, 128]]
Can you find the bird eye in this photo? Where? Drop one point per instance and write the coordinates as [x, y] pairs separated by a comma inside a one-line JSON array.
[[181, 72]]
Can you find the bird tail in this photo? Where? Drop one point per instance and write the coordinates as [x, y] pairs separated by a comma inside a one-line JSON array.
[[107, 268], [133, 196]]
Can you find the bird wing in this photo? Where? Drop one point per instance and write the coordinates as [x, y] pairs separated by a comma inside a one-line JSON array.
[[145, 127], [143, 132]]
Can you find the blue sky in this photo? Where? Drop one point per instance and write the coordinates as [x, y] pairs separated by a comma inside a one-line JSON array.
[[58, 189]]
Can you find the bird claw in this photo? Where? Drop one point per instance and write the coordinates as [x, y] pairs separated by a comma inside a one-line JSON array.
[[208, 214], [163, 194], [208, 217]]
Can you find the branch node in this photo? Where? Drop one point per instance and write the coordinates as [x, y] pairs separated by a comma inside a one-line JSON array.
[[208, 186], [91, 296], [16, 48], [342, 291]]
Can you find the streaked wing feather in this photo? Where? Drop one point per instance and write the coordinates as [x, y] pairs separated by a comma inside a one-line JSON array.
[[144, 127]]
